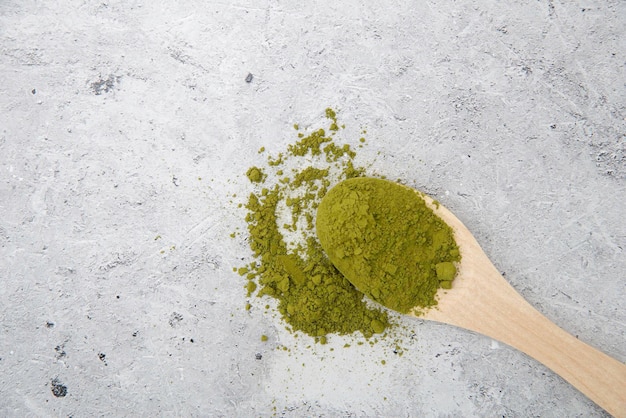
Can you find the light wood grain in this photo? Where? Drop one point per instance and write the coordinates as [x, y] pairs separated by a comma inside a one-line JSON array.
[[481, 300]]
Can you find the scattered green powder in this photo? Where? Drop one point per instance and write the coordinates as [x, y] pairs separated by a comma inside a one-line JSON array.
[[255, 174], [383, 237], [332, 115], [313, 296]]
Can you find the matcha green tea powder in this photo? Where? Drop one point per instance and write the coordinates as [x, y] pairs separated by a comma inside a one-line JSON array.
[[388, 242], [290, 265]]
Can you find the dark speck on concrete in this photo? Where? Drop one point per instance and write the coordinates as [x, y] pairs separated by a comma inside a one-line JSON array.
[[105, 85], [175, 319], [60, 349], [102, 358], [49, 324], [258, 356], [58, 389], [34, 91], [249, 78]]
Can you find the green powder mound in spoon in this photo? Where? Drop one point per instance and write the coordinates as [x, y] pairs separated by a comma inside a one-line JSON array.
[[384, 238]]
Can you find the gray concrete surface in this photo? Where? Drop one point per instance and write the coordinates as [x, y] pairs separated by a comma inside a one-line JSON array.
[[126, 127]]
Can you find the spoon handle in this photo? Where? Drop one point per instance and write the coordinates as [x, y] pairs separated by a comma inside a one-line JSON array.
[[484, 302]]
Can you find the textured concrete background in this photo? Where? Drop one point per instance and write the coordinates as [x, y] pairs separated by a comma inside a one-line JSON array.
[[126, 127]]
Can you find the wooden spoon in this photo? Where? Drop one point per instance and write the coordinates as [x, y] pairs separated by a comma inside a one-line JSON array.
[[481, 300]]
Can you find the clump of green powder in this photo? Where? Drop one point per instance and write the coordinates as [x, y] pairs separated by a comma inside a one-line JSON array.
[[255, 175], [290, 265], [388, 242]]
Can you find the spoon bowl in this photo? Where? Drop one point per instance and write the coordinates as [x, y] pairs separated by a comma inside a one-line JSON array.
[[481, 300]]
